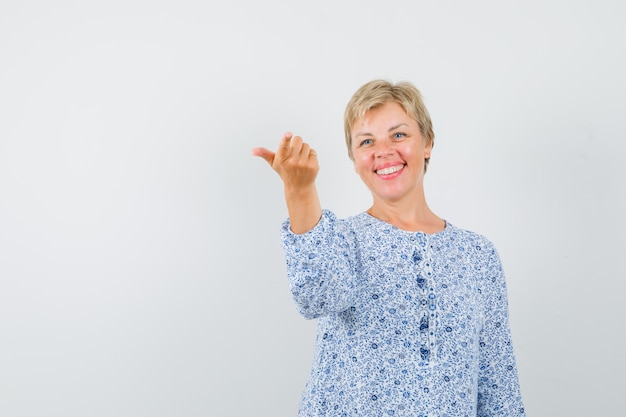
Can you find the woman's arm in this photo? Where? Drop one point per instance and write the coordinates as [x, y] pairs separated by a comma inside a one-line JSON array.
[[296, 164], [321, 266], [319, 248], [498, 384]]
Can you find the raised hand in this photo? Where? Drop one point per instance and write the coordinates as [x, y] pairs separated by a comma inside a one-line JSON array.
[[297, 165], [294, 161]]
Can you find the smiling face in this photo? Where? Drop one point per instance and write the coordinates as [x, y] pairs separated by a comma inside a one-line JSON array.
[[389, 153]]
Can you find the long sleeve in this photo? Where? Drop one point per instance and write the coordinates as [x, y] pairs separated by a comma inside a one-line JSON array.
[[498, 384], [320, 266]]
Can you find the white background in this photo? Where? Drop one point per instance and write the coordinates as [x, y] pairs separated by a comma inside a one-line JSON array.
[[140, 264]]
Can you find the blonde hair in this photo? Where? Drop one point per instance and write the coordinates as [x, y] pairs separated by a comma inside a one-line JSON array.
[[378, 92]]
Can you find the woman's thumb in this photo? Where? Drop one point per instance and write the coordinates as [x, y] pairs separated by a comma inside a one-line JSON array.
[[265, 154]]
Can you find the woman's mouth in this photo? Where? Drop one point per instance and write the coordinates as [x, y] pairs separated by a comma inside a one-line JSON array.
[[389, 170]]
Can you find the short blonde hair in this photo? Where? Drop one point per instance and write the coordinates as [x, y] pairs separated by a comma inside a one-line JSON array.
[[378, 92]]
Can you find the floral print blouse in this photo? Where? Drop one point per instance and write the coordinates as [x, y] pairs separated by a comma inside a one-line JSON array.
[[409, 324]]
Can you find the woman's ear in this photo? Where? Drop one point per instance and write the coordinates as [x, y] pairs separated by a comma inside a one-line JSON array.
[[428, 148]]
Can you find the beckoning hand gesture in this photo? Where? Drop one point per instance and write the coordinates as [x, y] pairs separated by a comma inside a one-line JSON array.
[[297, 165]]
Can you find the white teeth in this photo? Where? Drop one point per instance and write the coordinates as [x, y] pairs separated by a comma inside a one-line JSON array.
[[389, 170]]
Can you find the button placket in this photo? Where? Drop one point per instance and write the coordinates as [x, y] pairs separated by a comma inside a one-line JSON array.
[[427, 307]]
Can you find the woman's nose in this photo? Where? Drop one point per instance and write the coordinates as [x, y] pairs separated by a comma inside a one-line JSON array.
[[384, 148]]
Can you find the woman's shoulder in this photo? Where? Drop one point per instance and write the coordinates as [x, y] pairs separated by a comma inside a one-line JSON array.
[[466, 239], [329, 222], [460, 232], [360, 219]]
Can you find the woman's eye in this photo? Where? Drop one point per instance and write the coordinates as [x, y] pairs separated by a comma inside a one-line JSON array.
[[366, 142], [398, 135]]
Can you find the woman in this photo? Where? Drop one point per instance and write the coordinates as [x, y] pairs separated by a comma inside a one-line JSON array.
[[412, 311]]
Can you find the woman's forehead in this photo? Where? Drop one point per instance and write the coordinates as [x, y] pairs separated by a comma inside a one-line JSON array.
[[387, 115]]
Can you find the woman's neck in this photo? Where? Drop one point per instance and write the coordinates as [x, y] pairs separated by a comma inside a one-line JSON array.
[[413, 216]]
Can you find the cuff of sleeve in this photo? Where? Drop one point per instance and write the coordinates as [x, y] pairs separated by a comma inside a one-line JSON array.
[[292, 242]]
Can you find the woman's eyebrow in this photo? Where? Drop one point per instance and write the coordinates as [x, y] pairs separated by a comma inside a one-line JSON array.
[[390, 129], [397, 126]]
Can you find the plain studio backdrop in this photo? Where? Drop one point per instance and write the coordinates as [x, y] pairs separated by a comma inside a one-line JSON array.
[[141, 272]]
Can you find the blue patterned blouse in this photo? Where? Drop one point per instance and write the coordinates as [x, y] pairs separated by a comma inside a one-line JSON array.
[[409, 324]]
